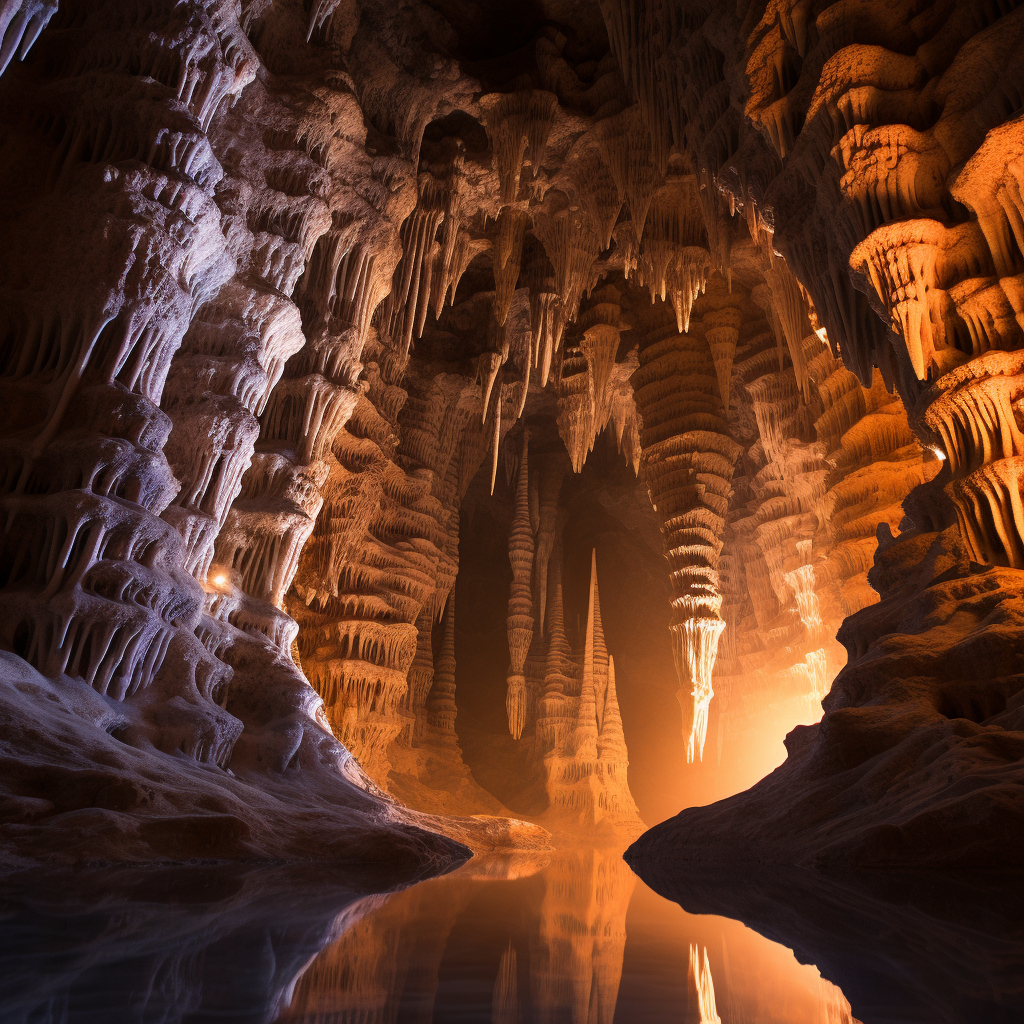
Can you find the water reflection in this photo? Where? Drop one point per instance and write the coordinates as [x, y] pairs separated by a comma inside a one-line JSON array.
[[571, 937], [548, 945], [169, 946]]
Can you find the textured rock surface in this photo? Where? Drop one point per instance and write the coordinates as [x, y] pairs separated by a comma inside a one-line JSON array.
[[292, 291], [859, 136]]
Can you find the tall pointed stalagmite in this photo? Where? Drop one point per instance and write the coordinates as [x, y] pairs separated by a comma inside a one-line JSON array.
[[520, 602]]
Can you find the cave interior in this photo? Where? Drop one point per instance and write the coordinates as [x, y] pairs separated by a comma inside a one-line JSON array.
[[438, 433]]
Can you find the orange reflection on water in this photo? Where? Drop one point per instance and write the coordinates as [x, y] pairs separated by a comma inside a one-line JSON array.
[[577, 940]]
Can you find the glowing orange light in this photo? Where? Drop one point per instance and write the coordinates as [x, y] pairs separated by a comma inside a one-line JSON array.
[[220, 579]]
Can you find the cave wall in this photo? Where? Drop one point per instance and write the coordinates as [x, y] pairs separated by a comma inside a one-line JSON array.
[[299, 300], [879, 147]]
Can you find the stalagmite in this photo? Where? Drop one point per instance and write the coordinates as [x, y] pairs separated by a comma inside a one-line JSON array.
[[579, 727], [549, 474], [520, 602]]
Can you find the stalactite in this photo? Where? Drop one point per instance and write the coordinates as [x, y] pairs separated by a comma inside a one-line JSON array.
[[508, 248], [626, 145], [722, 329], [687, 463], [518, 124], [598, 191], [21, 22], [600, 346], [572, 245], [673, 261], [547, 325], [575, 408]]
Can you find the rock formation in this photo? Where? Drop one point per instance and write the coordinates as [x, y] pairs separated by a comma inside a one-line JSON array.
[[579, 735], [291, 292], [877, 152]]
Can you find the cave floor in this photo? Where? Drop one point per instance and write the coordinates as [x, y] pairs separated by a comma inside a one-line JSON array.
[[571, 935]]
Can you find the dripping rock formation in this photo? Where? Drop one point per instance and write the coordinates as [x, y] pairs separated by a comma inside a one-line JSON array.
[[416, 414]]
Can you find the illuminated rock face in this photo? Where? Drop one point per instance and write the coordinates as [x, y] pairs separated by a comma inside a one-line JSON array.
[[279, 283], [880, 152]]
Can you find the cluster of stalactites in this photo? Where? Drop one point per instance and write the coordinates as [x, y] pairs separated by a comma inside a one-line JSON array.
[[503, 403], [592, 388], [520, 603], [673, 261], [572, 244], [518, 125], [21, 21], [427, 271]]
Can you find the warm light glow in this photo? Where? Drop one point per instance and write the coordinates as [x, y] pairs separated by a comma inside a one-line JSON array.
[[939, 454], [220, 580], [705, 986], [699, 730]]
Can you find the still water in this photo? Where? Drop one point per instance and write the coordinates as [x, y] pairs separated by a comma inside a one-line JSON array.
[[570, 937]]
